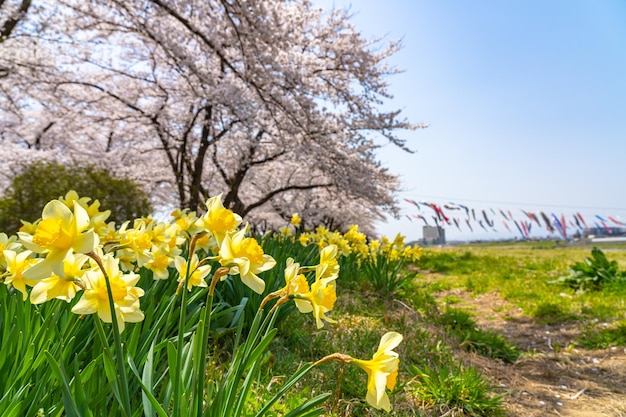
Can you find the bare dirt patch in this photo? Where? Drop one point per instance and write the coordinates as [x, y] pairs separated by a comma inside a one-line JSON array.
[[553, 376]]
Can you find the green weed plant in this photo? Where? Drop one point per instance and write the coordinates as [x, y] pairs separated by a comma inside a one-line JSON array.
[[387, 275], [593, 273]]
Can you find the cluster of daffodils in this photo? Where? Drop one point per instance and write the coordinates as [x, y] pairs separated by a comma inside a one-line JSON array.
[[319, 297], [292, 227], [356, 242], [72, 252]]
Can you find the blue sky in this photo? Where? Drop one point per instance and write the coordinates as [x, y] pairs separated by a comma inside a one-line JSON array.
[[525, 102]]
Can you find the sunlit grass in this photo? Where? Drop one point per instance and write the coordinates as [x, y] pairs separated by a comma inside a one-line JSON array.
[[520, 273], [433, 380], [456, 390], [362, 317], [601, 335], [488, 343]]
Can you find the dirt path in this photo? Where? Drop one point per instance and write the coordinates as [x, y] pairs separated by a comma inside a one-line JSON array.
[[552, 377]]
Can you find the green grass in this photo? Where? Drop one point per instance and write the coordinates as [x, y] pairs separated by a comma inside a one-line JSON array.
[[487, 343], [433, 380], [456, 390], [363, 316], [521, 274], [552, 313], [598, 336]]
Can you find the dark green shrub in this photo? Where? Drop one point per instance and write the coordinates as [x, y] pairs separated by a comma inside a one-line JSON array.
[[40, 182]]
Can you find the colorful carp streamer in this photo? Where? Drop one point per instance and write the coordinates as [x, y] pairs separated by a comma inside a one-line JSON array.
[[454, 214]]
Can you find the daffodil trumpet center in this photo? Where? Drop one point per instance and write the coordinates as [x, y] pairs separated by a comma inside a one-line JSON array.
[[50, 234]]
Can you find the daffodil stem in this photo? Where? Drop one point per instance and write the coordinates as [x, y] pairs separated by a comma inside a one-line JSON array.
[[334, 357], [204, 340], [337, 393], [177, 374], [117, 340]]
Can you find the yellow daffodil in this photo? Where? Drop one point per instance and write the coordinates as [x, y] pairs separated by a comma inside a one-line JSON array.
[[304, 239], [354, 236], [319, 300], [97, 218], [207, 243], [125, 294], [295, 282], [245, 257], [108, 234], [58, 233], [374, 246], [161, 260], [295, 220], [61, 287], [165, 238], [322, 299], [28, 227], [197, 272], [218, 220], [136, 243], [16, 264], [7, 243], [399, 241], [185, 220], [285, 231], [72, 196], [344, 247], [328, 266], [382, 371], [414, 253], [296, 285], [322, 295]]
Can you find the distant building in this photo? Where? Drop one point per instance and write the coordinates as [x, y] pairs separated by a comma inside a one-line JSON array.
[[604, 231], [434, 235]]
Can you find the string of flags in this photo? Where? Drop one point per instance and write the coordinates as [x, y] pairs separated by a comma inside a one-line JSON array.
[[462, 216]]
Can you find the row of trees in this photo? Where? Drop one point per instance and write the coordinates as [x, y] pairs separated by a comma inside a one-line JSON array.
[[276, 104]]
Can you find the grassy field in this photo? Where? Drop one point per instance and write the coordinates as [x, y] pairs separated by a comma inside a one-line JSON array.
[[507, 290], [522, 274], [475, 321]]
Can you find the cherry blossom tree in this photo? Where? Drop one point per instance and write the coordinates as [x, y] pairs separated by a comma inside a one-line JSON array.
[[10, 14], [274, 103]]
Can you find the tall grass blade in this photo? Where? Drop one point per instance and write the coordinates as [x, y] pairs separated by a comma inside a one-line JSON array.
[[147, 395], [308, 408], [71, 408]]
